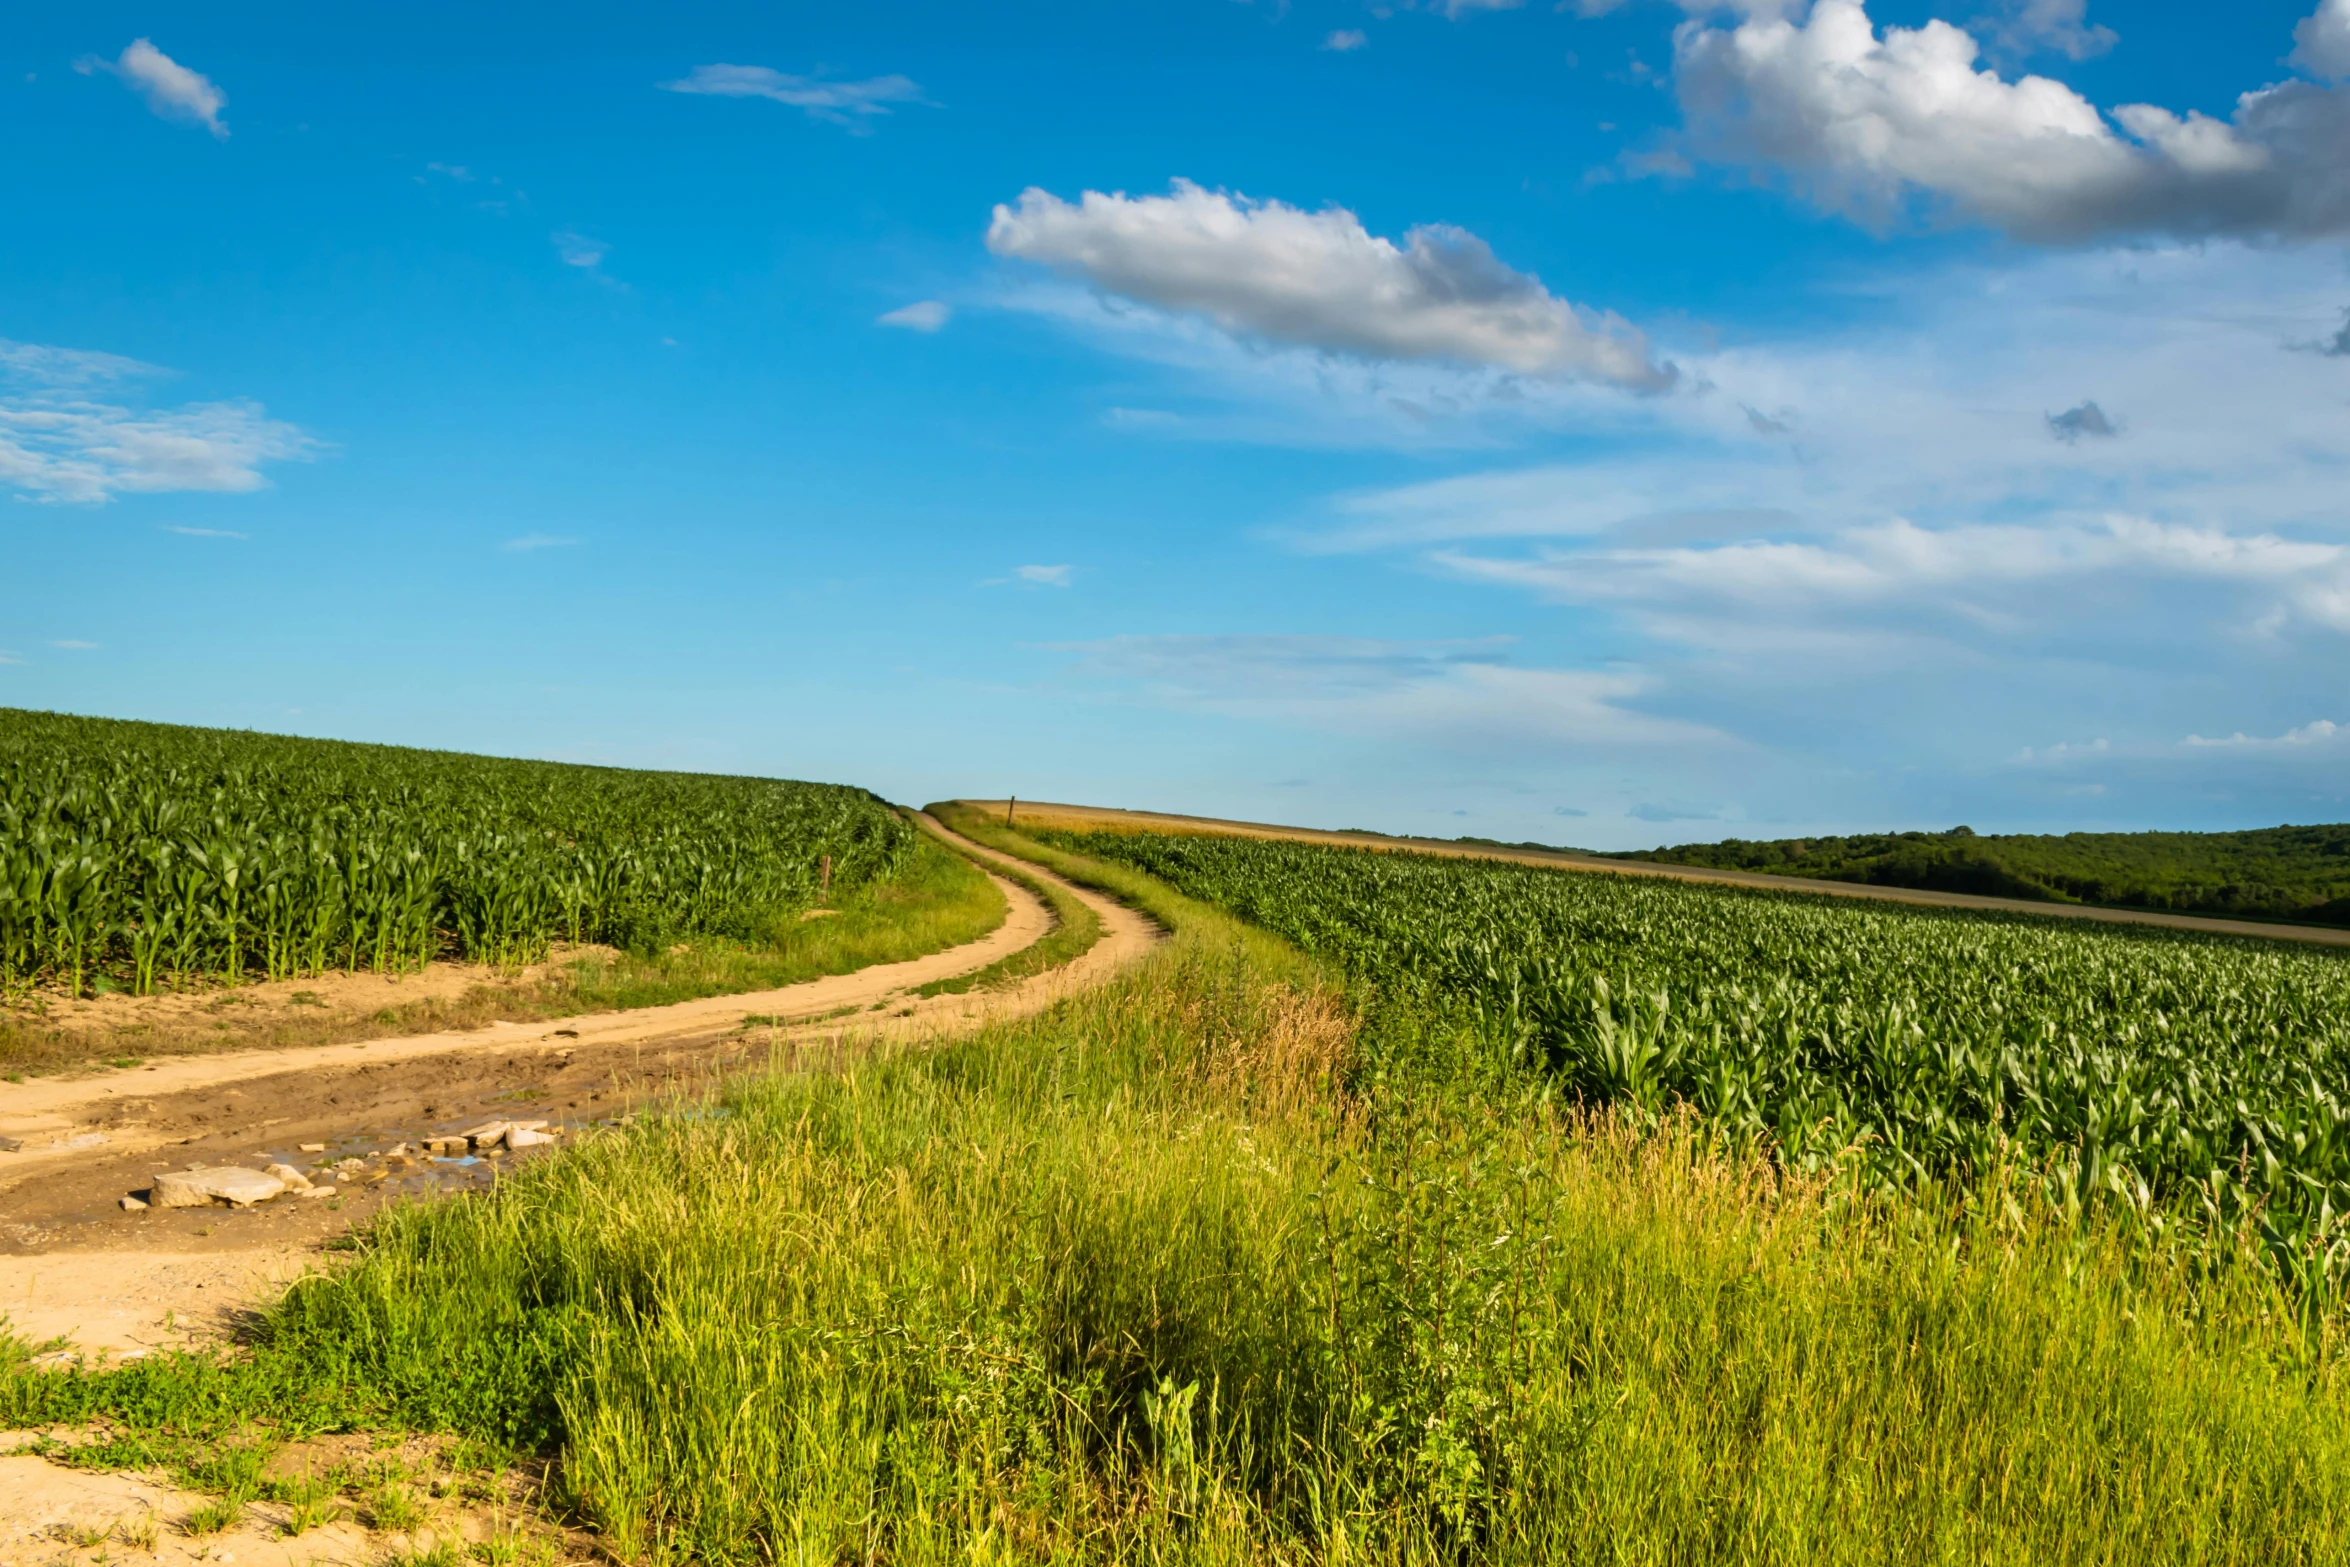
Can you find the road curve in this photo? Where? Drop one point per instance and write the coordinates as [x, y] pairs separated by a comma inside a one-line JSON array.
[[1088, 817]]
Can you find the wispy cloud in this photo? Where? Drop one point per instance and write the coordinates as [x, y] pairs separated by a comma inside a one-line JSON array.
[[1462, 697], [926, 315], [1345, 40], [59, 442], [203, 533], [2320, 732], [72, 646], [1043, 576], [1913, 554], [579, 250], [172, 90], [536, 541], [854, 105]]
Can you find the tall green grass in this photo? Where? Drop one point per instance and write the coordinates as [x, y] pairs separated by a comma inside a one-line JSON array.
[[1161, 1275]]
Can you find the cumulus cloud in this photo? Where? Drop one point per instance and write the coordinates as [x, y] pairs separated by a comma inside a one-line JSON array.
[[1269, 271], [854, 105], [172, 90], [926, 315], [2085, 419], [2321, 44], [1864, 122], [60, 441], [1345, 40]]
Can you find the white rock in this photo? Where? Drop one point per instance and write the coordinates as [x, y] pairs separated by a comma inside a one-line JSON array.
[[524, 1137], [232, 1184], [295, 1180], [133, 1205], [314, 1191], [313, 1147]]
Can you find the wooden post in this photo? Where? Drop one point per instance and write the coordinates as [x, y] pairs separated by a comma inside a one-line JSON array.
[[1008, 805]]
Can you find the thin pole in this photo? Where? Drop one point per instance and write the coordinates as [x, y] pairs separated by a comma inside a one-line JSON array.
[[1008, 805]]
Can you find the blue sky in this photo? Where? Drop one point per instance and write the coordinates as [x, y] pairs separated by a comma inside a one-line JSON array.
[[1605, 424]]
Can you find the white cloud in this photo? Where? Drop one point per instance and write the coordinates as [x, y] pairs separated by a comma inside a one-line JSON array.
[[202, 533], [72, 646], [1861, 122], [1914, 580], [2321, 44], [59, 443], [6, 657], [926, 315], [172, 90], [1989, 581], [1266, 270], [536, 541], [579, 250], [2319, 732], [851, 104], [1456, 696], [2022, 27], [1043, 576], [1345, 40]]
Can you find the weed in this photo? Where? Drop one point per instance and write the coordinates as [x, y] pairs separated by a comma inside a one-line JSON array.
[[212, 1517], [139, 1533], [83, 1536], [304, 1516], [393, 1509]]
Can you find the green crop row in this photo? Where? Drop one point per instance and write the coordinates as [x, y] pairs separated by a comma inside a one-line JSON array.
[[145, 852], [2182, 1075]]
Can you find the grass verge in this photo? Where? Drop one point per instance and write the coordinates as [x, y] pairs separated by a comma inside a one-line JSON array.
[[1170, 1273]]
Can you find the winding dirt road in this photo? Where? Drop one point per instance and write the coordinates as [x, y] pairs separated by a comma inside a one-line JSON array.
[[76, 1267], [1090, 818]]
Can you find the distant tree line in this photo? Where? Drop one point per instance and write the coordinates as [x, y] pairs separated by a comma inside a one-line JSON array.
[[2294, 873]]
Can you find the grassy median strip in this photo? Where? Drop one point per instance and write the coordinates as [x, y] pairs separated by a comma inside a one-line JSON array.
[[1075, 929]]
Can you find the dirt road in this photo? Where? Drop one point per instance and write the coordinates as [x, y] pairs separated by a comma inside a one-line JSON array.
[[1093, 818], [75, 1266]]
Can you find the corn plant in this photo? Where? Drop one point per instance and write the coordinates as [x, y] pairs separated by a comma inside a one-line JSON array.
[[155, 854], [2167, 1072]]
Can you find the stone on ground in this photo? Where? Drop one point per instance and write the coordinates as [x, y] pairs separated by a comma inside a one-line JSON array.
[[232, 1184]]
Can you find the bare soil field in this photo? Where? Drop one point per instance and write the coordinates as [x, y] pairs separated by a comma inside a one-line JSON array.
[[1093, 818]]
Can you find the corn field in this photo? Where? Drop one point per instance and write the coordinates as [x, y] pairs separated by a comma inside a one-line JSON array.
[[145, 854], [2182, 1075]]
